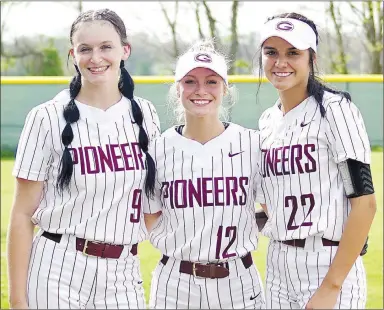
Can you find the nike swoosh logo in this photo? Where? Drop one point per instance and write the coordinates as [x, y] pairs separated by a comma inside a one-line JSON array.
[[304, 124], [254, 297], [234, 154]]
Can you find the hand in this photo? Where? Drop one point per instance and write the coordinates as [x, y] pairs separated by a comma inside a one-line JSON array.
[[325, 297]]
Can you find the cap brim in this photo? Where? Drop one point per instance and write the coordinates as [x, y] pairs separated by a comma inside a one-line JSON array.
[[201, 66], [291, 39], [189, 62], [191, 68]]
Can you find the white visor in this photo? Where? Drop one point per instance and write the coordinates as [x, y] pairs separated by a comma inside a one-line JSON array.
[[294, 31], [193, 60]]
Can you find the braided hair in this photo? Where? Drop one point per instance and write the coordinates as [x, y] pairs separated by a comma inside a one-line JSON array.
[[315, 87], [126, 86], [71, 115]]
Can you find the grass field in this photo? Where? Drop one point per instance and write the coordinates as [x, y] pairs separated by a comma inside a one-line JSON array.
[[149, 256]]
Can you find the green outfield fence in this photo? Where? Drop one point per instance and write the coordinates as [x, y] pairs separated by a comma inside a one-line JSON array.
[[20, 94]]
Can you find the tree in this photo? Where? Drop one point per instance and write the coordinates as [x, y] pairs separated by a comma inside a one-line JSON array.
[[371, 17], [214, 33], [198, 21], [77, 5], [172, 25], [368, 16], [233, 41], [80, 6], [234, 37], [8, 57], [6, 64], [48, 64], [339, 61]]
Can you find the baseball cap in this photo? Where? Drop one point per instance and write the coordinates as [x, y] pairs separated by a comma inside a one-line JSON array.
[[199, 59], [294, 31]]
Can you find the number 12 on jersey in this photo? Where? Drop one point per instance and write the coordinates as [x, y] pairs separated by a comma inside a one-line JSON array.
[[230, 233]]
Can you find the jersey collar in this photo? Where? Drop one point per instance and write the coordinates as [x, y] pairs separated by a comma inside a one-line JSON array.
[[295, 112], [194, 146], [95, 114]]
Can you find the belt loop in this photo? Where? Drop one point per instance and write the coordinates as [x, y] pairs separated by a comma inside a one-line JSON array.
[[164, 260], [133, 250]]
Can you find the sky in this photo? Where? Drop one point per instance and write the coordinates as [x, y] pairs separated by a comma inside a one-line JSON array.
[[54, 18]]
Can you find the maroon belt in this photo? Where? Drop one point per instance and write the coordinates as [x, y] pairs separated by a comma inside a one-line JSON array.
[[211, 270], [94, 248], [300, 243]]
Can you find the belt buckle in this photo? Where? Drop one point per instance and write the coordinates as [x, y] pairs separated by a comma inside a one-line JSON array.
[[194, 271], [85, 248]]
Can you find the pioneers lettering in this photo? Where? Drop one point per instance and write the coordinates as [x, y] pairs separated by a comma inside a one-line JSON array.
[[290, 159], [206, 192], [111, 157]]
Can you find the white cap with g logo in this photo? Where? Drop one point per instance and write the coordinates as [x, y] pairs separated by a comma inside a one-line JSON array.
[[294, 31], [193, 60]]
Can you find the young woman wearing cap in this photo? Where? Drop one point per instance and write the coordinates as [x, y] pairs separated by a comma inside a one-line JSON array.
[[206, 183], [81, 169], [315, 177]]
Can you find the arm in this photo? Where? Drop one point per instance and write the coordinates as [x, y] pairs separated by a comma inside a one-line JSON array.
[[264, 206], [261, 214], [352, 241], [19, 242], [353, 158], [150, 219]]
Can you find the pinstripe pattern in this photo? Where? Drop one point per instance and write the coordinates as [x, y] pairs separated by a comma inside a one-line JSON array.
[[328, 141], [198, 218], [171, 289], [295, 274], [93, 208], [196, 240], [103, 204], [92, 282], [314, 146]]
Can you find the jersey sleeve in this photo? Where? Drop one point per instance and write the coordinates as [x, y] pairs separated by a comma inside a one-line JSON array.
[[264, 119], [346, 133], [259, 193], [153, 205], [255, 144], [151, 119], [34, 148], [156, 129]]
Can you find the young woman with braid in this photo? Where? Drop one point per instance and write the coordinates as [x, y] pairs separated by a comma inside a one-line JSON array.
[[81, 170], [316, 177]]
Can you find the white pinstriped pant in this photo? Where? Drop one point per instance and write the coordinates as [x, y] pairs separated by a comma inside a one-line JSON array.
[[170, 289], [293, 274], [60, 277]]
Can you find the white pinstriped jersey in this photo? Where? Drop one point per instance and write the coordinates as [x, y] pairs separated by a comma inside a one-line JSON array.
[[206, 194], [105, 196], [302, 183]]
